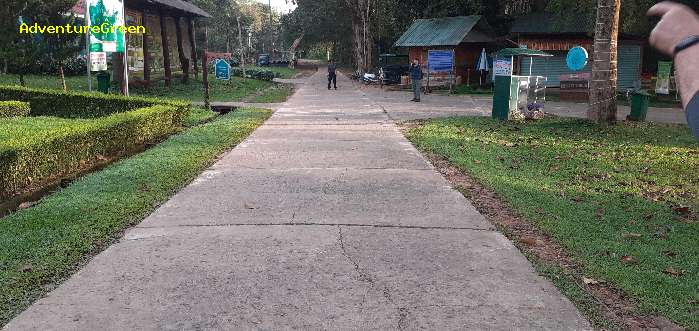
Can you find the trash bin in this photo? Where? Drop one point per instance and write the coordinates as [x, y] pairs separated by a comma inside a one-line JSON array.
[[639, 105], [103, 81]]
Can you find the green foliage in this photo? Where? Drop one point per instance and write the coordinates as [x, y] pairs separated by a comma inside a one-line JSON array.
[[45, 102], [603, 193], [44, 244], [256, 73], [35, 148], [14, 108]]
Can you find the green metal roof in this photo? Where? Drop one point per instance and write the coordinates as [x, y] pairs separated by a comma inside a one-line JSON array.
[[548, 23], [446, 31], [507, 52]]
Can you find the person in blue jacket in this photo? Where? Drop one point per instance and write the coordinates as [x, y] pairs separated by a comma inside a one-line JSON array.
[[416, 79], [677, 35]]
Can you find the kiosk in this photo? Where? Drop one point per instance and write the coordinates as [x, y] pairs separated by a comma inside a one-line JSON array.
[[516, 96]]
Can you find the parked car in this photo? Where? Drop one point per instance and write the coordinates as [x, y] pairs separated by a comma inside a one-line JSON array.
[[263, 60], [392, 67]]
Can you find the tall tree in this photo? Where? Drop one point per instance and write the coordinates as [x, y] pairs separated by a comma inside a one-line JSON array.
[[61, 46], [603, 85]]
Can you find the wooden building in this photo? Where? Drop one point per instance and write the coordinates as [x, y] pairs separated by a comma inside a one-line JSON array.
[[168, 46], [465, 35], [542, 31]]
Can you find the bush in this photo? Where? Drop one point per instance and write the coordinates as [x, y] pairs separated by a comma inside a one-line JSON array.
[[117, 124], [267, 75], [13, 108], [27, 163], [45, 102]]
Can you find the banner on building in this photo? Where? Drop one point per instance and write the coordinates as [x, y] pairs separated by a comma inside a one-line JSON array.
[[107, 29], [440, 61], [662, 84]]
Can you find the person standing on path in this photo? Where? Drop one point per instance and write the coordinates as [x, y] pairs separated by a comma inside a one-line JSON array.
[[677, 35], [416, 78], [332, 75]]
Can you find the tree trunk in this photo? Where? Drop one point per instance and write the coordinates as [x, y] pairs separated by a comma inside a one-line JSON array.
[[63, 77], [193, 44], [184, 61], [146, 59], [603, 87], [240, 44], [21, 80], [361, 33], [166, 50]]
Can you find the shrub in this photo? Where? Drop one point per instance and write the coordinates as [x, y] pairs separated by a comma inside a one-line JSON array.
[[116, 124], [45, 102], [27, 163], [13, 108], [260, 74]]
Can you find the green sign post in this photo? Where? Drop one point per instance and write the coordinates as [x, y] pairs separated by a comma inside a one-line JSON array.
[[662, 84], [502, 73]]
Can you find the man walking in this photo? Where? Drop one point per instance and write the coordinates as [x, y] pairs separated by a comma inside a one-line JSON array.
[[332, 76], [416, 78]]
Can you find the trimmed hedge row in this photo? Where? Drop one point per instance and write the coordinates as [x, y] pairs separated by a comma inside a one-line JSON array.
[[13, 108], [44, 102], [260, 74], [116, 124], [64, 151]]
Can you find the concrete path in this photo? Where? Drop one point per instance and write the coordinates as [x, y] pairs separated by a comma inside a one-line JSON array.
[[397, 104], [325, 218]]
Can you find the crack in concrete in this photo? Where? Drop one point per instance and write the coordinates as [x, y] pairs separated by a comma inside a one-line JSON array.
[[415, 227], [403, 312]]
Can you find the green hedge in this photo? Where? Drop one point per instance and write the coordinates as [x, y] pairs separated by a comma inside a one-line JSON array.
[[115, 124], [45, 102], [267, 75], [63, 152], [13, 108]]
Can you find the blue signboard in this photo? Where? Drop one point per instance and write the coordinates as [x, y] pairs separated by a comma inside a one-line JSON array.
[[440, 61], [222, 69], [577, 58]]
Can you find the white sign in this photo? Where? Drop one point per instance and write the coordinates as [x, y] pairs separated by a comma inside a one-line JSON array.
[[98, 61], [502, 67]]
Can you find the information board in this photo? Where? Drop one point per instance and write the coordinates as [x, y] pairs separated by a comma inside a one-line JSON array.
[[222, 70], [440, 61], [502, 67]]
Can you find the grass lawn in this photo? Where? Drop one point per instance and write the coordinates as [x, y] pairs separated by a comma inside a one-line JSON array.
[[44, 244], [623, 200], [275, 94], [236, 89]]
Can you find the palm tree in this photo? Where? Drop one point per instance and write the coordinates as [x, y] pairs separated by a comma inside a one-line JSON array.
[[603, 87]]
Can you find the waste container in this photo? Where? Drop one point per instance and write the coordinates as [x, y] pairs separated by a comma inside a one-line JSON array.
[[103, 81], [639, 105]]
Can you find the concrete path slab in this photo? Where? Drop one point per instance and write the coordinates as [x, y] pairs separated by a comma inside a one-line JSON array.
[[326, 218], [398, 106]]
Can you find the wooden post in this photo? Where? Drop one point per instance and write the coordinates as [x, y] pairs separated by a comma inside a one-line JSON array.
[[166, 50], [184, 61], [193, 44], [146, 56]]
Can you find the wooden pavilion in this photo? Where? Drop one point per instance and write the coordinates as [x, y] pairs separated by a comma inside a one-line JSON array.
[[168, 45]]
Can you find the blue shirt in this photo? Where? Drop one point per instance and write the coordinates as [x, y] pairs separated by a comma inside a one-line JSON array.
[[415, 72]]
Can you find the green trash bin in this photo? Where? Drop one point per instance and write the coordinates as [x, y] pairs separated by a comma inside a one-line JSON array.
[[103, 81], [639, 105]]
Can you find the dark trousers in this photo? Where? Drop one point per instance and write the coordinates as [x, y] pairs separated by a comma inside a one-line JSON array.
[[332, 78]]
